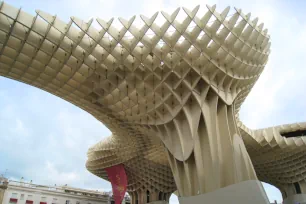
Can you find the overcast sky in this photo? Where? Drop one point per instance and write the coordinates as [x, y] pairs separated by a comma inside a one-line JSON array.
[[45, 139]]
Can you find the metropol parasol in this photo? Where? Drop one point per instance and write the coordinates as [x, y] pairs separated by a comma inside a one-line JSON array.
[[170, 93]]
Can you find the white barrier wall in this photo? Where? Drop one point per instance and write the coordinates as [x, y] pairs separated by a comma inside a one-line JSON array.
[[247, 192], [296, 199]]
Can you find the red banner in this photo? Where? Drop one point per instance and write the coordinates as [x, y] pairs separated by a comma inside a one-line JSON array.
[[117, 177]]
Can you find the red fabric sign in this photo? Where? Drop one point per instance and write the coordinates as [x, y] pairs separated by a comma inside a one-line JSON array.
[[117, 176], [29, 201]]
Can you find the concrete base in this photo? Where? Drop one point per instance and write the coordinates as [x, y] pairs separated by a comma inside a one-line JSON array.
[[296, 199], [250, 192]]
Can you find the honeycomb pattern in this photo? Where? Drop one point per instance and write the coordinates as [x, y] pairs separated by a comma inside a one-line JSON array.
[[165, 91], [145, 167], [278, 160]]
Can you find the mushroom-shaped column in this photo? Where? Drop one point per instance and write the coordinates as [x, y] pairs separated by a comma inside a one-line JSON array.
[[206, 87], [168, 90], [183, 82], [150, 178]]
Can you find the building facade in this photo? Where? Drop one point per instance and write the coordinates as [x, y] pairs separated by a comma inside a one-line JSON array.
[[16, 192]]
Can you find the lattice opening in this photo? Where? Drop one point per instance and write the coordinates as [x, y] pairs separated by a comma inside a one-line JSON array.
[[297, 133]]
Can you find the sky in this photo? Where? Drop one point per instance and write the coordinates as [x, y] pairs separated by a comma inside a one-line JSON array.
[[45, 139]]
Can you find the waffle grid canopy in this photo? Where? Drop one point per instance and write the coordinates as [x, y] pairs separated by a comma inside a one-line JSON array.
[[278, 160], [156, 87]]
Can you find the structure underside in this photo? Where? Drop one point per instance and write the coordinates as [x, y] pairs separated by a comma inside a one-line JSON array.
[[168, 90], [279, 157]]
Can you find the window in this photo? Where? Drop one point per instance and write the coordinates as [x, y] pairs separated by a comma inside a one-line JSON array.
[[43, 200], [160, 196], [54, 201], [67, 201], [13, 199], [22, 197], [29, 199], [78, 202], [148, 196], [297, 188]]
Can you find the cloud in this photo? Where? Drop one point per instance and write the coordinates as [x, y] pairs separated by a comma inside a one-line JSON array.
[[59, 177], [272, 96], [52, 136], [20, 128]]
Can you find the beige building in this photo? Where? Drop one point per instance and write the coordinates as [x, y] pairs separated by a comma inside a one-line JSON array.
[[170, 90], [19, 192]]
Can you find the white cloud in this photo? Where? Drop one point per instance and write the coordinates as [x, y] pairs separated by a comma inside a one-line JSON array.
[[57, 177], [58, 136], [150, 7], [282, 77], [65, 132], [263, 100], [20, 128]]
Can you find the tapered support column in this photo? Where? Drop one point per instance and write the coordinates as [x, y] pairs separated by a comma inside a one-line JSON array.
[[153, 197], [206, 152]]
